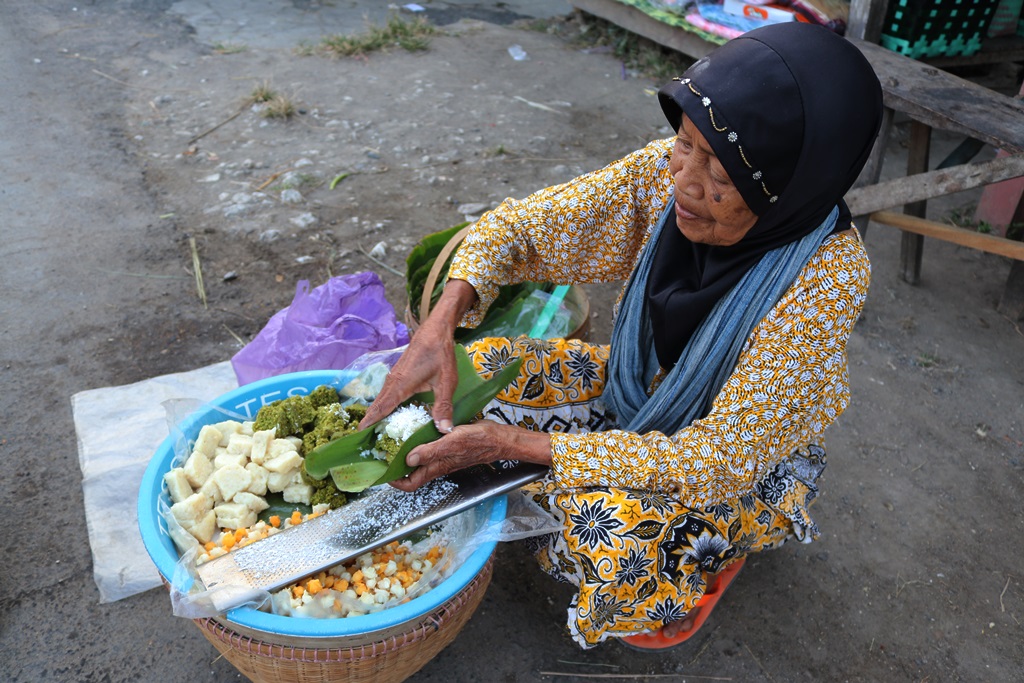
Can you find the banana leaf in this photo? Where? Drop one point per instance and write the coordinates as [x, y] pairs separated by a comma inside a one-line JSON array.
[[466, 407], [421, 260], [429, 247], [343, 459], [278, 506], [422, 257]]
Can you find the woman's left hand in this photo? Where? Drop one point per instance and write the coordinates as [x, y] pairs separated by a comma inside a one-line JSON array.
[[473, 444]]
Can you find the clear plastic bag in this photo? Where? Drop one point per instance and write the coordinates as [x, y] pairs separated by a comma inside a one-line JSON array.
[[460, 535], [541, 316]]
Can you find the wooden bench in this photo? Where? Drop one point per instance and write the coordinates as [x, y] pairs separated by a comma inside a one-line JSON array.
[[936, 99], [932, 99]]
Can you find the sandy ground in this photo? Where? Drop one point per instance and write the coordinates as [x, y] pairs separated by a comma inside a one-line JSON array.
[[917, 575]]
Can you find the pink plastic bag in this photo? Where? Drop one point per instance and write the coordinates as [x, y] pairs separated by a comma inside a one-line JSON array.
[[323, 329]]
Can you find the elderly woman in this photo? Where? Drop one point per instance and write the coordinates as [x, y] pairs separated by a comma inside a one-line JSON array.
[[695, 437]]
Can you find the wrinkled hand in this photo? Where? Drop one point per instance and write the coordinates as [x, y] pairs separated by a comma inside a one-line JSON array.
[[473, 444], [429, 362], [427, 365]]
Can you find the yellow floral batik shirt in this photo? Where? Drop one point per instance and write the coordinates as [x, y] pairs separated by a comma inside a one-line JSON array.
[[645, 516]]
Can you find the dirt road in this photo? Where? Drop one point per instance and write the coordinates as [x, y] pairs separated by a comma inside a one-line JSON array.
[[918, 574]]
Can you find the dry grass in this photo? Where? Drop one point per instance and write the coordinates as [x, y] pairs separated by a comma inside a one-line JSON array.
[[412, 36], [278, 107], [263, 92], [274, 105], [229, 48]]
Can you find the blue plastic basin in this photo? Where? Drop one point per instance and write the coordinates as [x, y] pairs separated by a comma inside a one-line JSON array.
[[246, 401]]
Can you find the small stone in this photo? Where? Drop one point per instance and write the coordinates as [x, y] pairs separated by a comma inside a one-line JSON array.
[[303, 162], [212, 178], [380, 250], [235, 210], [291, 196], [472, 209], [303, 220], [271, 235], [230, 275], [241, 198], [559, 171], [304, 259]]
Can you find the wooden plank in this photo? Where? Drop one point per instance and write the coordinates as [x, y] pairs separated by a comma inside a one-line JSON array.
[[885, 195], [866, 18], [911, 245], [915, 88], [945, 101], [947, 233], [872, 170], [632, 19], [1011, 303]]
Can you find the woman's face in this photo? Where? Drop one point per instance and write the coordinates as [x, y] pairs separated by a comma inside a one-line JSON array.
[[709, 208]]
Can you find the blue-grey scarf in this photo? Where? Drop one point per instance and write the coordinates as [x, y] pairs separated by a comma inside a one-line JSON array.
[[688, 390]]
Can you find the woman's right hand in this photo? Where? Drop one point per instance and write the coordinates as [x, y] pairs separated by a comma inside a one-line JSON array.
[[429, 362]]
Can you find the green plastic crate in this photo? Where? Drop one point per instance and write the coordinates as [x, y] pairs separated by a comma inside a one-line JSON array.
[[936, 28], [1004, 18]]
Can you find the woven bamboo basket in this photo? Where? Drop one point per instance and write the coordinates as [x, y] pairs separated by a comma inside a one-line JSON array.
[[576, 299], [389, 656]]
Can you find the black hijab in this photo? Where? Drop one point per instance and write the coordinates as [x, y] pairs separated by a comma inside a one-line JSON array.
[[791, 111]]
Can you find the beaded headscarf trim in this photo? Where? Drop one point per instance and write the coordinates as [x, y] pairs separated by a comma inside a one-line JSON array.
[[732, 136]]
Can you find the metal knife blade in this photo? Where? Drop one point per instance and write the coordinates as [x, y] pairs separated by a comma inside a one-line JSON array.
[[383, 515]]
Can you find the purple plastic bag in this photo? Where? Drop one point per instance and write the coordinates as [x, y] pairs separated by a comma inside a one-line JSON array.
[[323, 329]]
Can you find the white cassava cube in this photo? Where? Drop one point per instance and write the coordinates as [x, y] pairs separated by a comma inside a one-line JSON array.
[[208, 440], [285, 462], [294, 441], [234, 516], [211, 491], [298, 493], [240, 444], [255, 503], [260, 445], [280, 447], [246, 428], [178, 487], [226, 429], [231, 479], [277, 481], [198, 469], [227, 458], [205, 528], [258, 485], [192, 509]]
